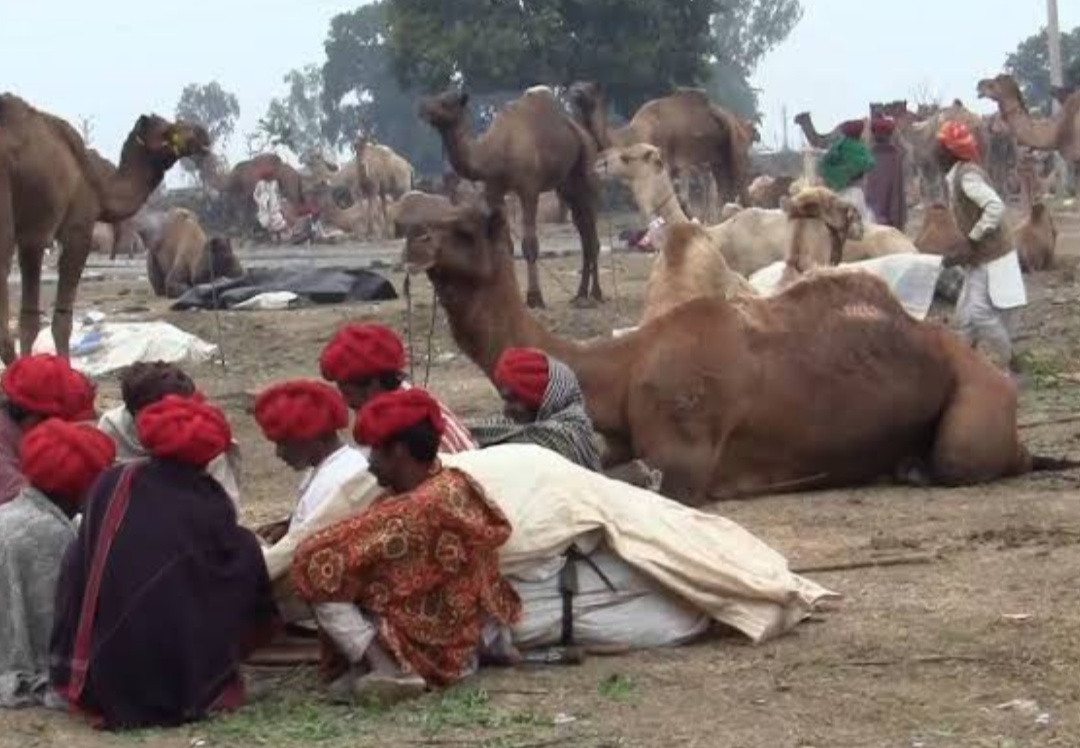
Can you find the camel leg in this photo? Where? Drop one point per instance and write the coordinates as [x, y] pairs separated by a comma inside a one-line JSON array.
[[76, 243], [530, 247], [976, 438], [7, 252], [583, 213], [30, 259]]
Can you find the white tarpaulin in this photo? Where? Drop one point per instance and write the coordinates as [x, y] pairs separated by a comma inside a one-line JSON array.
[[103, 347], [911, 277]]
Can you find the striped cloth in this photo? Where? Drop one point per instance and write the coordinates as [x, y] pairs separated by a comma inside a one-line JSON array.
[[561, 424], [456, 438]]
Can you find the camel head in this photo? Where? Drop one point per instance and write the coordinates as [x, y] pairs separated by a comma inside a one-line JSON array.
[[639, 161], [446, 110], [802, 119], [1000, 89], [842, 218], [586, 96], [465, 242], [223, 261], [168, 142]]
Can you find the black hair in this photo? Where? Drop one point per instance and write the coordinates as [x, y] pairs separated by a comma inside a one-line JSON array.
[[421, 440], [16, 413], [145, 383], [390, 380]]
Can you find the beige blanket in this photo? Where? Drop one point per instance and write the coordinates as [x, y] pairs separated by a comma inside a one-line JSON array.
[[706, 559]]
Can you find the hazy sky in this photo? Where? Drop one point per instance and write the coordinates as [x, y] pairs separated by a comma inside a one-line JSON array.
[[112, 60]]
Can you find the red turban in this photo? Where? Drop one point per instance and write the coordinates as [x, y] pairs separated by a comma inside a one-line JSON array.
[[388, 414], [186, 429], [852, 128], [956, 138], [64, 459], [300, 409], [361, 351], [524, 371], [47, 385], [882, 126]]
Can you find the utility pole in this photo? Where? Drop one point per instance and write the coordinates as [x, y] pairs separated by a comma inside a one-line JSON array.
[[1053, 40], [784, 118]]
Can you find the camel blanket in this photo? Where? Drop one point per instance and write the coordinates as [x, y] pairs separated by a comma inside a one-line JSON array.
[[911, 277], [707, 560]]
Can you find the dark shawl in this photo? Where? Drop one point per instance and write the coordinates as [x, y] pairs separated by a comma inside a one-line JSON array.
[[884, 188], [183, 591]]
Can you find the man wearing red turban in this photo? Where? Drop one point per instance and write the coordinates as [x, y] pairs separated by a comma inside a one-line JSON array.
[[405, 588], [365, 359], [993, 285], [543, 404], [36, 388], [302, 418], [143, 384], [61, 461], [885, 193], [163, 592]]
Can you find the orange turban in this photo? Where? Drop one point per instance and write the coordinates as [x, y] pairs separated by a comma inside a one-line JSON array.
[[360, 351], [64, 459], [388, 414], [300, 409], [46, 385], [524, 371], [957, 139], [186, 429]]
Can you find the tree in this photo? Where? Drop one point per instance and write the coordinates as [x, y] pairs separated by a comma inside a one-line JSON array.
[[210, 106], [1030, 65], [296, 121], [361, 94]]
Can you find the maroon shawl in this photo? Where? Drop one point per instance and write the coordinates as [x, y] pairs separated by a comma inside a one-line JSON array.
[[158, 600], [884, 187]]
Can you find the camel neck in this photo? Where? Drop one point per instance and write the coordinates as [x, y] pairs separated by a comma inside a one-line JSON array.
[[463, 150], [125, 190]]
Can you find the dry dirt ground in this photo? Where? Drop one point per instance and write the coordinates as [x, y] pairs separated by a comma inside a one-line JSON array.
[[977, 645]]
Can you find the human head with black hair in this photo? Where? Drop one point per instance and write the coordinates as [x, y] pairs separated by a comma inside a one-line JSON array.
[[145, 383], [364, 360], [403, 429]]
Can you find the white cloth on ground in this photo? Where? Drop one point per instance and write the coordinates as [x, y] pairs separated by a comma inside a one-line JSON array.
[[119, 425], [320, 482]]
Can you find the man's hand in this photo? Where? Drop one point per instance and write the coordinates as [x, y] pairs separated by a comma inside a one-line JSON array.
[[272, 532], [960, 254]]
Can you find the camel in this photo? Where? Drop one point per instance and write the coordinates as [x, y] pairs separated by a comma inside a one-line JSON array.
[[827, 384], [351, 220], [186, 257], [769, 192], [531, 146], [820, 225], [383, 174], [238, 185], [939, 234], [1059, 133], [53, 187], [750, 239], [116, 238], [689, 130], [1036, 240]]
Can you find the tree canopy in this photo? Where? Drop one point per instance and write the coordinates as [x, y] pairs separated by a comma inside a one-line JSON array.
[[210, 106], [296, 120], [1030, 65]]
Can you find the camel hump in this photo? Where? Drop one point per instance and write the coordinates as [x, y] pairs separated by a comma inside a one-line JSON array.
[[697, 95]]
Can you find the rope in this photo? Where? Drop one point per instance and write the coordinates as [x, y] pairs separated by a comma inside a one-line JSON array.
[[217, 316], [407, 287]]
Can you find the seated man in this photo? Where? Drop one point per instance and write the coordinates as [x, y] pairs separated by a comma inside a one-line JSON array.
[[36, 388], [405, 589], [364, 360], [302, 418], [144, 384], [61, 461], [543, 405], [162, 593]]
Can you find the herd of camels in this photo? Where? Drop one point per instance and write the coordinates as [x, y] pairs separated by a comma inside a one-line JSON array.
[[730, 393]]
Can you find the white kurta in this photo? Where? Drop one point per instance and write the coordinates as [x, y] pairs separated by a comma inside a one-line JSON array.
[[320, 483]]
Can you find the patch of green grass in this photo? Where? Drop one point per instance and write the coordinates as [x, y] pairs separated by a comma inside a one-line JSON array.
[[1044, 370], [470, 707], [617, 687], [284, 721]]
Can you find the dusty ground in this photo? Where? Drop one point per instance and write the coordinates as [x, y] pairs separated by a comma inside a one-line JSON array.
[[979, 645]]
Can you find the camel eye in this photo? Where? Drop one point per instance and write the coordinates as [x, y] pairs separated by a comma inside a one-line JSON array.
[[624, 158]]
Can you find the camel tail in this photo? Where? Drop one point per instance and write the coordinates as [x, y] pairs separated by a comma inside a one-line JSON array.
[[1043, 464]]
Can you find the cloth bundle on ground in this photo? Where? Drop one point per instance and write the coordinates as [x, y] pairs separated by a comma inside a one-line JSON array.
[[562, 423], [330, 285], [707, 561]]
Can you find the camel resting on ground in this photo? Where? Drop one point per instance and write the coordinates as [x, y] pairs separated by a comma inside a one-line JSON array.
[[1036, 240], [53, 187], [829, 383], [186, 257]]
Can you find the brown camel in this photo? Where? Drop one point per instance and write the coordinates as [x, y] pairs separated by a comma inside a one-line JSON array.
[[532, 146], [186, 256], [939, 234], [820, 224], [238, 185], [1059, 133], [384, 175], [829, 383], [689, 130], [53, 187], [1036, 240]]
